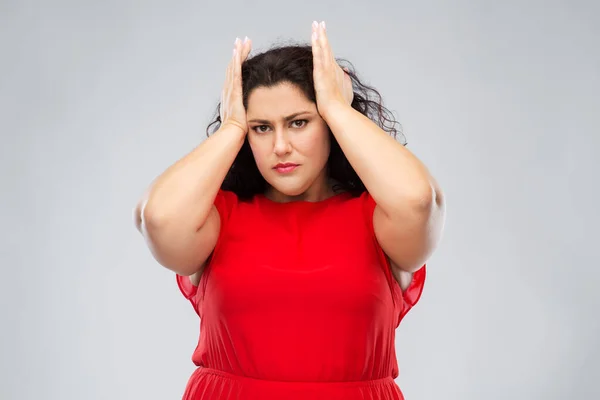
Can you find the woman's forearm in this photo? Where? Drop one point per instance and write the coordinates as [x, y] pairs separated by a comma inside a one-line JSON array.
[[391, 173], [185, 192]]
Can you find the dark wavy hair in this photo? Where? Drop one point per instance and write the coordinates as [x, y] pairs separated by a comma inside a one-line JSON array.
[[294, 64]]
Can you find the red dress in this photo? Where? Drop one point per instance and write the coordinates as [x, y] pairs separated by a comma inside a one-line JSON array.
[[297, 302]]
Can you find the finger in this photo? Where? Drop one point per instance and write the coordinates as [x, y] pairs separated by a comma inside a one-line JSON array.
[[247, 46], [230, 69], [237, 64], [327, 54], [315, 27], [316, 47], [230, 74], [227, 84], [231, 65]]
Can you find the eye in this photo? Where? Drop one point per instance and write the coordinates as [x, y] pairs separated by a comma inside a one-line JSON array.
[[257, 129], [304, 122], [299, 123]]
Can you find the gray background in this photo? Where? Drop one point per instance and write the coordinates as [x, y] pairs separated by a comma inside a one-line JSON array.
[[499, 99]]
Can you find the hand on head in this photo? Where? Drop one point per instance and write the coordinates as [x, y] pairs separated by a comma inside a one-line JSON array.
[[332, 84], [232, 109]]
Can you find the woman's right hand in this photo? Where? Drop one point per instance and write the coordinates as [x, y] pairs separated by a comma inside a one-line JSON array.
[[232, 109]]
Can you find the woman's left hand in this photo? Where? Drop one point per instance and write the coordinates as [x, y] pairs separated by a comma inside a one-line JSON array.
[[333, 85]]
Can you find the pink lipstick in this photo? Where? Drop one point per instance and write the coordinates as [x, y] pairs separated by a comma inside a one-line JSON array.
[[284, 168]]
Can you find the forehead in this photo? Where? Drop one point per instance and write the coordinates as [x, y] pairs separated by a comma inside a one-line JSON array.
[[277, 101]]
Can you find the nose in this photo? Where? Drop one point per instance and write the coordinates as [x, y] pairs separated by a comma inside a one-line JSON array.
[[282, 144]]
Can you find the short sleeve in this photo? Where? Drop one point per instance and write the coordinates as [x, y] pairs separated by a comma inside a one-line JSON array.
[[411, 295], [188, 290], [225, 201]]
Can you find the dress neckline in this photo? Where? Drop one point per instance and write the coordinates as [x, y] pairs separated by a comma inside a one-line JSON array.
[[304, 203]]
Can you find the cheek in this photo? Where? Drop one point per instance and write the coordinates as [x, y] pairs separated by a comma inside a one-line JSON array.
[[259, 151], [316, 147]]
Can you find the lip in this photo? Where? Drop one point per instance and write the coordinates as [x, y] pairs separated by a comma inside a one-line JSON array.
[[285, 167]]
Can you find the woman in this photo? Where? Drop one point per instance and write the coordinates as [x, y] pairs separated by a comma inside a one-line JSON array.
[[299, 231]]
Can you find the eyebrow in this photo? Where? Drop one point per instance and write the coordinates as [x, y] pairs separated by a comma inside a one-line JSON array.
[[288, 118]]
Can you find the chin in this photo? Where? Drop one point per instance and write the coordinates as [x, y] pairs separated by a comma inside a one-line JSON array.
[[290, 189]]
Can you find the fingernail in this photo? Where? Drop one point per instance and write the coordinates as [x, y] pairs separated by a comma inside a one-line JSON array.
[[246, 39], [323, 24], [237, 40], [315, 24]]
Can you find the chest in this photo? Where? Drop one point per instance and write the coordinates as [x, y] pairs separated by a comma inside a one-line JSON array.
[[303, 261], [297, 242]]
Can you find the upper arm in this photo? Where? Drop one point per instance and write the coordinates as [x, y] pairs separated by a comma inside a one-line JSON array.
[[181, 247], [411, 237]]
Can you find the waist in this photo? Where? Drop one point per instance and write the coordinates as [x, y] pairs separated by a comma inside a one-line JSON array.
[[217, 384]]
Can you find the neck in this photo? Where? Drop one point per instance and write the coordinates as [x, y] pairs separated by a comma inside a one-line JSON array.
[[317, 192]]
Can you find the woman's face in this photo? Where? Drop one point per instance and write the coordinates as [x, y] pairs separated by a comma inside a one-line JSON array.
[[286, 128]]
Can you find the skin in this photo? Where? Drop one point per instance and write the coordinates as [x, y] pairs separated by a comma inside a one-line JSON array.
[[177, 216], [410, 206], [303, 140]]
